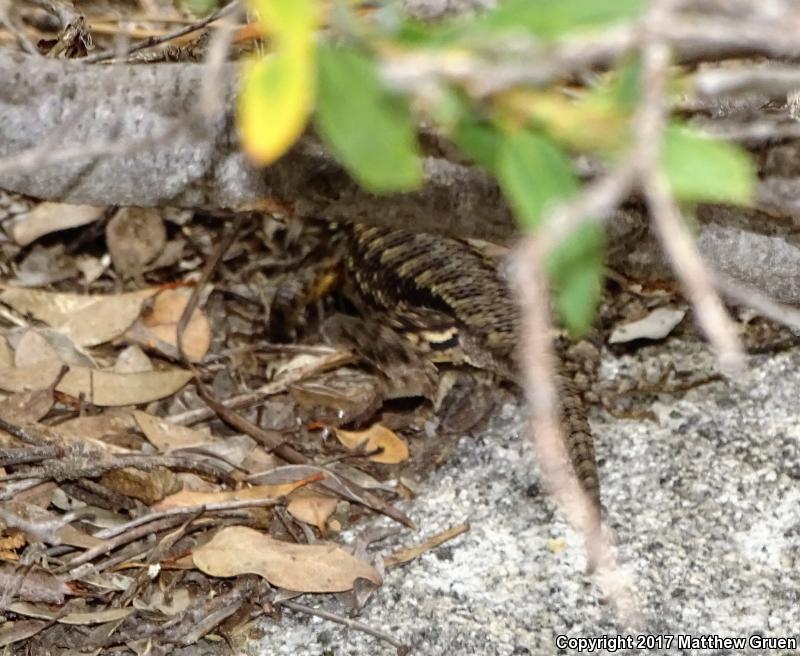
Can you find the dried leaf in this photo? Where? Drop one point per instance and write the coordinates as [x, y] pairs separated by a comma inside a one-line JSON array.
[[167, 437], [311, 507], [148, 486], [34, 584], [92, 617], [169, 602], [32, 348], [196, 498], [132, 360], [299, 567], [51, 217], [656, 325], [38, 344], [158, 328], [88, 320], [94, 428], [135, 237], [37, 377], [26, 407], [11, 632], [6, 356], [45, 266], [10, 543], [393, 449], [338, 484], [75, 538], [106, 388]]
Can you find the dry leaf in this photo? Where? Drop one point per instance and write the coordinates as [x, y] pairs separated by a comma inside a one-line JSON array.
[[37, 377], [39, 344], [197, 498], [51, 217], [132, 360], [334, 483], [95, 617], [299, 567], [167, 437], [10, 543], [106, 388], [12, 632], [656, 325], [135, 237], [33, 584], [26, 407], [393, 448], [91, 267], [94, 428], [6, 356], [88, 320], [32, 348], [158, 328], [311, 507], [169, 602], [75, 538], [148, 486]]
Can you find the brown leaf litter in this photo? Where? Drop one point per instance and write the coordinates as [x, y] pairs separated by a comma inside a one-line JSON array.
[[154, 491]]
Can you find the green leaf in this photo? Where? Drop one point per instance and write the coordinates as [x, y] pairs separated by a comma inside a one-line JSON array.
[[623, 88], [368, 128], [533, 174], [576, 274], [478, 140], [552, 18], [200, 7], [707, 170]]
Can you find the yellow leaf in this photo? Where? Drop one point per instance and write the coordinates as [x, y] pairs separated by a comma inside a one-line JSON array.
[[278, 91], [393, 449], [286, 19], [276, 100]]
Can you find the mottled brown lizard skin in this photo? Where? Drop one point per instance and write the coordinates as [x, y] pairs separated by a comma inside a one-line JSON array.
[[444, 287]]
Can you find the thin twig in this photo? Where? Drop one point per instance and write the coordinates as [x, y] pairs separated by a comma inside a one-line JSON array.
[[761, 303], [538, 370], [673, 233], [320, 365], [402, 649], [774, 81], [169, 36], [205, 276], [408, 554], [198, 509], [119, 540]]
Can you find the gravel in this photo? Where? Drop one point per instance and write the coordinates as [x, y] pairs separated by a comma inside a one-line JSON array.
[[704, 504]]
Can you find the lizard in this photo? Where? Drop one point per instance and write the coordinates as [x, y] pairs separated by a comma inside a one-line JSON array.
[[441, 293]]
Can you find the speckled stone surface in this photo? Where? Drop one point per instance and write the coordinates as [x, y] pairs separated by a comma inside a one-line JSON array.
[[704, 504]]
